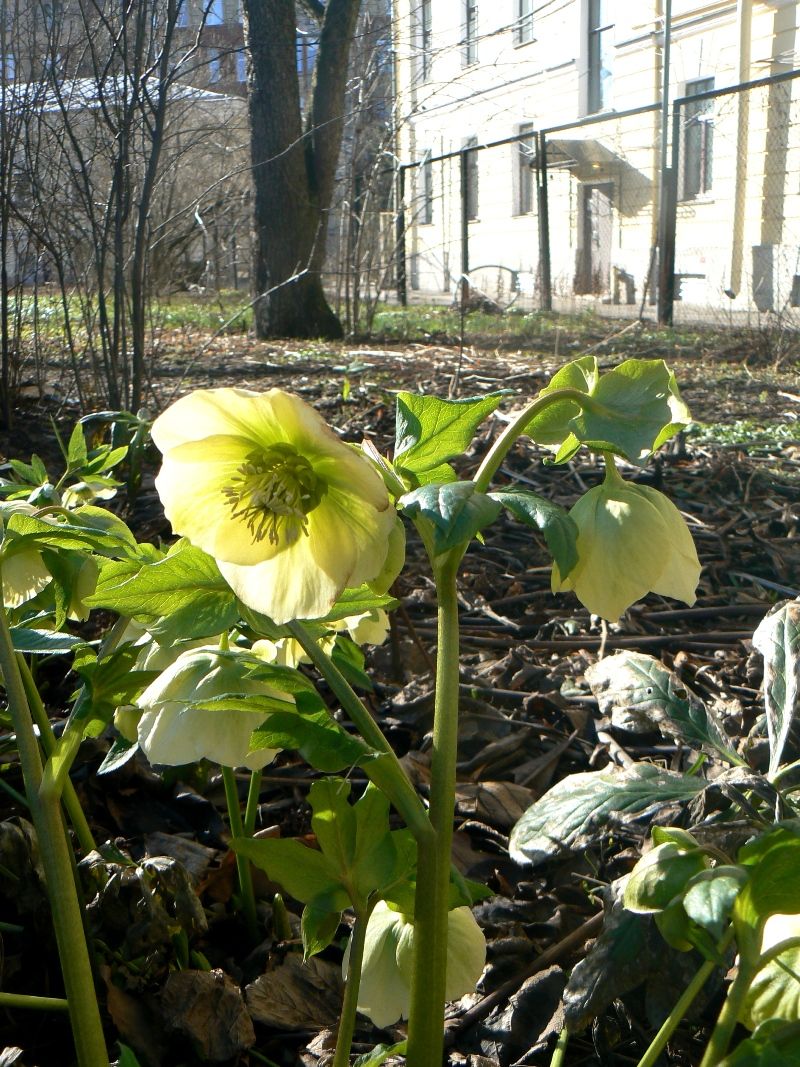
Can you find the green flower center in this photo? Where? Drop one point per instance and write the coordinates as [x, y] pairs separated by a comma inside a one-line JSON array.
[[273, 491]]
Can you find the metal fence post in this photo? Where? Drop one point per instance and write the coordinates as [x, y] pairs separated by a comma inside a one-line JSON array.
[[400, 237], [464, 161], [668, 224], [543, 212]]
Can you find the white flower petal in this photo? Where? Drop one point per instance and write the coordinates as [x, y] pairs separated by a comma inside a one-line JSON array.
[[24, 576]]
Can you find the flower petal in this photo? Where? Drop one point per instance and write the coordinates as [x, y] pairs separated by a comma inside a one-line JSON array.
[[383, 995], [24, 576], [174, 734]]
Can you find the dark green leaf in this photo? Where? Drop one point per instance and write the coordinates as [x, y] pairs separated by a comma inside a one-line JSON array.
[[318, 926], [577, 810], [117, 756], [637, 691], [334, 822], [773, 1044], [660, 875], [181, 596], [317, 737], [303, 872], [456, 511], [710, 896], [559, 530], [350, 659], [431, 431], [379, 1055], [43, 642], [356, 602], [76, 450], [777, 638]]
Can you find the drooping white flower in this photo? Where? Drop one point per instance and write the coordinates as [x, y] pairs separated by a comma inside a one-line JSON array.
[[632, 540], [385, 990], [173, 731]]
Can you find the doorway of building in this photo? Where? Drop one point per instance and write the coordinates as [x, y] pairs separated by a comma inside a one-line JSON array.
[[594, 249]]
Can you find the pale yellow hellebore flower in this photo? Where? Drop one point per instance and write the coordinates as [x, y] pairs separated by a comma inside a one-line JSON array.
[[384, 994], [173, 732], [24, 572], [632, 540], [291, 514]]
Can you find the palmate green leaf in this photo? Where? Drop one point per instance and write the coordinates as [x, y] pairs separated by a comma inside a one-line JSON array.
[[456, 510], [430, 431], [559, 530], [305, 873], [316, 736], [181, 596], [334, 822], [772, 1044], [638, 692], [637, 408], [88, 528], [577, 811], [777, 638]]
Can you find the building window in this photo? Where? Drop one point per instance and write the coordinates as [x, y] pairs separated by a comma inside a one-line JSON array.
[[425, 39], [215, 13], [182, 18], [600, 42], [526, 154], [698, 141], [241, 66], [50, 13], [426, 189], [8, 67], [214, 65], [470, 17], [523, 21], [470, 180]]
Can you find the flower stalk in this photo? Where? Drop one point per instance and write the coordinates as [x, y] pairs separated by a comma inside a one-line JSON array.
[[347, 1020], [428, 982], [56, 859]]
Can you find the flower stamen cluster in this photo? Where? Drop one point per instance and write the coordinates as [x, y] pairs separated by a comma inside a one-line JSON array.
[[273, 491]]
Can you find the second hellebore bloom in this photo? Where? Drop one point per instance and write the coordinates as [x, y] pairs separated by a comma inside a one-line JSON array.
[[173, 732], [291, 514], [384, 994], [632, 540]]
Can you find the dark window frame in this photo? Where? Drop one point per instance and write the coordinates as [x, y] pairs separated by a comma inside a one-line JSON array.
[[599, 32], [470, 39], [472, 190], [523, 22], [697, 142]]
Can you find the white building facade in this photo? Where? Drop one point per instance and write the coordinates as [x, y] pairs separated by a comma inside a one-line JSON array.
[[573, 90]]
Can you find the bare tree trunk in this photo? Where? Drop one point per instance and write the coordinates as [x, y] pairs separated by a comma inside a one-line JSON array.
[[293, 172]]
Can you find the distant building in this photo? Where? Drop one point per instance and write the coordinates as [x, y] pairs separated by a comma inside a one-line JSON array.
[[471, 72]]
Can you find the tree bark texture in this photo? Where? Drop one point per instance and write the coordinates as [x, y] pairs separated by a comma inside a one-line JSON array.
[[294, 165]]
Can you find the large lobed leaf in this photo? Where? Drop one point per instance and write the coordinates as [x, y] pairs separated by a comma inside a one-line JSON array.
[[576, 812]]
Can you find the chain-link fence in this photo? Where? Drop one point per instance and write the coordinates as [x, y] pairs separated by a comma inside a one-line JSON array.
[[568, 217], [736, 173]]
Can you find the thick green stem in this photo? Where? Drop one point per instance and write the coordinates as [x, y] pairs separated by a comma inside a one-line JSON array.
[[386, 771], [48, 742], [242, 863], [667, 1029], [500, 449], [729, 1016], [56, 860], [347, 1020], [560, 1051], [426, 1017]]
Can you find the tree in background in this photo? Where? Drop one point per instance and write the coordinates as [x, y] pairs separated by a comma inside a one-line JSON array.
[[294, 162]]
